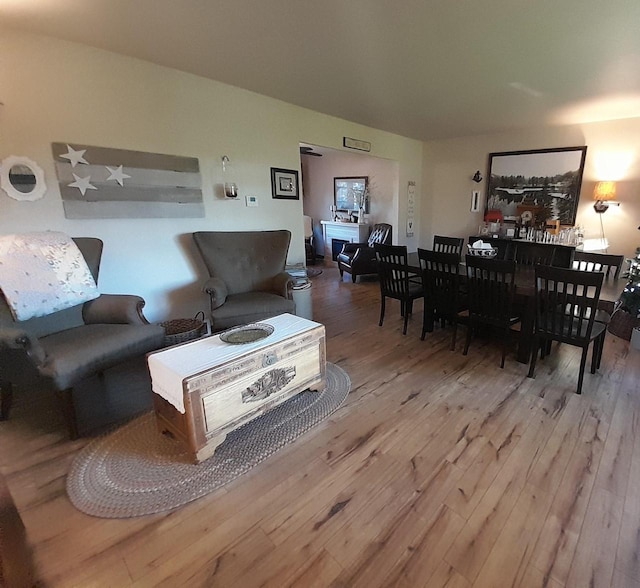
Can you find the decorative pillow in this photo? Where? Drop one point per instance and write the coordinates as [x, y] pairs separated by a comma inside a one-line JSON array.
[[42, 273]]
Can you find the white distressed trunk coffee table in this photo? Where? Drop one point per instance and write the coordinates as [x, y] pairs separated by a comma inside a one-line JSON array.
[[205, 389]]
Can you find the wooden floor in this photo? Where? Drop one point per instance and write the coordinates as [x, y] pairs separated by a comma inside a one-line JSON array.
[[439, 470]]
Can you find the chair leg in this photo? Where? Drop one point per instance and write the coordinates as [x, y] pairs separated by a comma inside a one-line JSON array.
[[353, 277], [595, 353], [382, 305], [504, 347], [453, 337], [406, 320], [69, 411], [534, 357], [468, 340], [601, 349], [427, 321], [341, 272], [583, 363], [6, 400]]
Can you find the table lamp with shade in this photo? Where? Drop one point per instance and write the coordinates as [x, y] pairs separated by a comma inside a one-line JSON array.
[[603, 194]]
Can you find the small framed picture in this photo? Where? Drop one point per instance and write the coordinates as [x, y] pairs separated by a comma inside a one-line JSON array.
[[284, 184]]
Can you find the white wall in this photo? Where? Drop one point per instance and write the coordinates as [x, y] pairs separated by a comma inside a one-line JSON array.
[[55, 91], [613, 152]]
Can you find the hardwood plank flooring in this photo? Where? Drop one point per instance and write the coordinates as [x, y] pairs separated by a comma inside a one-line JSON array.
[[438, 470]]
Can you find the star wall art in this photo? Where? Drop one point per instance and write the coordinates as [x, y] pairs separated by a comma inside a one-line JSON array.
[[101, 182]]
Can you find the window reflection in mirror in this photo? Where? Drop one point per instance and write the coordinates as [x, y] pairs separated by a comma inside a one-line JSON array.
[[22, 178], [351, 193]]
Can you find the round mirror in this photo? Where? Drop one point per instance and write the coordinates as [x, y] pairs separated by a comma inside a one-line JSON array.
[[21, 178]]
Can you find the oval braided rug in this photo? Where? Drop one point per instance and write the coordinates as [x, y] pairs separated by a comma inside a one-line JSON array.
[[137, 471]]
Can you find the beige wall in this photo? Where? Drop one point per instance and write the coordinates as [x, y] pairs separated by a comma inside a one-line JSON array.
[[319, 173], [55, 91], [613, 152]]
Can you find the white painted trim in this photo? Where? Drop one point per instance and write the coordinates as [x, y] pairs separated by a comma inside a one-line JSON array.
[[5, 183]]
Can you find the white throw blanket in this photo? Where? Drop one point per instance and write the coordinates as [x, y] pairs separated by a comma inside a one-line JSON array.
[[42, 273]]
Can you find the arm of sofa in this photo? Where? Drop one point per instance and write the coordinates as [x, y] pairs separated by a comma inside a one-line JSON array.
[[217, 290], [282, 284], [19, 339], [114, 309]]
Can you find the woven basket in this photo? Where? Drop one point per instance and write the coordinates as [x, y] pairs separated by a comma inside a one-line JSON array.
[[622, 324], [184, 329]]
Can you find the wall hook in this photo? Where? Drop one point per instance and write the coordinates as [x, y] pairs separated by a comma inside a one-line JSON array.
[[477, 177]]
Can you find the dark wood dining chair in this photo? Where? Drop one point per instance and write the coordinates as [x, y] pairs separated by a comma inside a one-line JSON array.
[[490, 284], [443, 244], [610, 265], [395, 280], [533, 254], [441, 284], [566, 305]]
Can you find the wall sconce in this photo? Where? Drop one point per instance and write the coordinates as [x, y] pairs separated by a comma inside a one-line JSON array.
[[604, 193], [230, 188], [477, 177]]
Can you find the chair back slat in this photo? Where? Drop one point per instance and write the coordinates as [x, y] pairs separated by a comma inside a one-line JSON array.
[[610, 265], [490, 283], [440, 280], [442, 244], [533, 254]]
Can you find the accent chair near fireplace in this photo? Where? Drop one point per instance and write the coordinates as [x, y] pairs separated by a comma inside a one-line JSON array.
[[359, 259]]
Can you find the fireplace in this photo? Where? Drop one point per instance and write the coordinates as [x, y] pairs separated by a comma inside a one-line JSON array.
[[336, 234]]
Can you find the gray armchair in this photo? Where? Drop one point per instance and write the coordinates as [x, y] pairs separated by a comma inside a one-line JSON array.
[[65, 347], [248, 281]]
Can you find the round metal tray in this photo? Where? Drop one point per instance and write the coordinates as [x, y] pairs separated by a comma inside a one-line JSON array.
[[246, 333]]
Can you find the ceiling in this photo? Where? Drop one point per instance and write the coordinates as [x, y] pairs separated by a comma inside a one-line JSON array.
[[427, 69]]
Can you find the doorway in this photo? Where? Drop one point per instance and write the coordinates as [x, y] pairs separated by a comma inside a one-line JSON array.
[[320, 165]]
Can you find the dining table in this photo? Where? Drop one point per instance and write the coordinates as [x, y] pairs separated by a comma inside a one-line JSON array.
[[525, 299]]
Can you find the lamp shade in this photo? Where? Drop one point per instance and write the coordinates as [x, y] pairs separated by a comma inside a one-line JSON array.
[[604, 191]]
